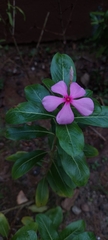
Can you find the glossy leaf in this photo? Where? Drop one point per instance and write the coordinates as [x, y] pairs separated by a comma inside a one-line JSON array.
[[89, 93], [70, 138], [27, 112], [26, 162], [35, 93], [72, 230], [84, 236], [42, 193], [56, 216], [16, 156], [90, 151], [26, 132], [57, 182], [4, 226], [36, 209], [48, 83], [26, 232], [99, 119], [46, 228], [76, 168], [60, 68]]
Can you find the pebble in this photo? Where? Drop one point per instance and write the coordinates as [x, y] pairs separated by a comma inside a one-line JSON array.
[[1, 145], [76, 210], [33, 68], [85, 207]]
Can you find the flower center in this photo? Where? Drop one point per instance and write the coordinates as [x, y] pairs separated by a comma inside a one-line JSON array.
[[68, 99]]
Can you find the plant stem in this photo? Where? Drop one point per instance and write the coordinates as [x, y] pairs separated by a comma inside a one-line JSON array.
[[13, 27], [17, 207], [40, 37]]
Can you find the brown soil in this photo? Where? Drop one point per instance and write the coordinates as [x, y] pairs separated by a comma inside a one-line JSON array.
[[91, 201]]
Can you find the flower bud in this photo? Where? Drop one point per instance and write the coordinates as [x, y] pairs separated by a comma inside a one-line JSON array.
[[71, 74]]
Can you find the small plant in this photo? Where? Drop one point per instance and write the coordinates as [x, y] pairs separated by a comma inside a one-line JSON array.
[[46, 227], [11, 11], [99, 21], [67, 107]]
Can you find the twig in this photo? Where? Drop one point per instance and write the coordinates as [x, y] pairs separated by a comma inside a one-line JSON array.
[[55, 33], [22, 60], [99, 134], [69, 19], [13, 27], [17, 207], [40, 37]]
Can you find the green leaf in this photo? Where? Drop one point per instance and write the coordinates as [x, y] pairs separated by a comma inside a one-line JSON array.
[[56, 216], [10, 18], [4, 226], [16, 156], [89, 93], [57, 182], [72, 230], [84, 236], [27, 220], [36, 209], [35, 93], [70, 138], [21, 11], [60, 68], [27, 112], [90, 151], [46, 228], [96, 119], [26, 162], [76, 168], [26, 132], [27, 232], [48, 83], [42, 193]]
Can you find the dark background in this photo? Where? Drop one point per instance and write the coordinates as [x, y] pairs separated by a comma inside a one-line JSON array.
[[72, 15]]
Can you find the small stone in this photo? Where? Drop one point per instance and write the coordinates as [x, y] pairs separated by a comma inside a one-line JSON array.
[[98, 238], [33, 68], [85, 79], [76, 210], [1, 238], [43, 66], [85, 207], [1, 145]]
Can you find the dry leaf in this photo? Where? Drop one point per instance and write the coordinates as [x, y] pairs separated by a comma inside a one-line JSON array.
[[21, 198]]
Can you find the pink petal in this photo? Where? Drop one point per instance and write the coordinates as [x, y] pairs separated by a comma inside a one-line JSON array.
[[76, 91], [85, 106], [50, 103], [65, 115], [60, 88]]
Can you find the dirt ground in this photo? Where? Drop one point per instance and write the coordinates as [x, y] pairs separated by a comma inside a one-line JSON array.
[[90, 202]]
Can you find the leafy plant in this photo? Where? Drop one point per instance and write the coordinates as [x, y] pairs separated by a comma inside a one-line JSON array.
[[64, 156], [46, 227], [99, 21]]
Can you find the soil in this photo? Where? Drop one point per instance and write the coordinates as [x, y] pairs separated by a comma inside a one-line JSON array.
[[90, 202]]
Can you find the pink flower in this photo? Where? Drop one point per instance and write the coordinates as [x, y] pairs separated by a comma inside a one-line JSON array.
[[85, 106]]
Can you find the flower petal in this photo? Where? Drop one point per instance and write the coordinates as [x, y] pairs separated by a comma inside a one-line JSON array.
[[50, 103], [65, 115], [76, 91], [85, 106], [60, 88]]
